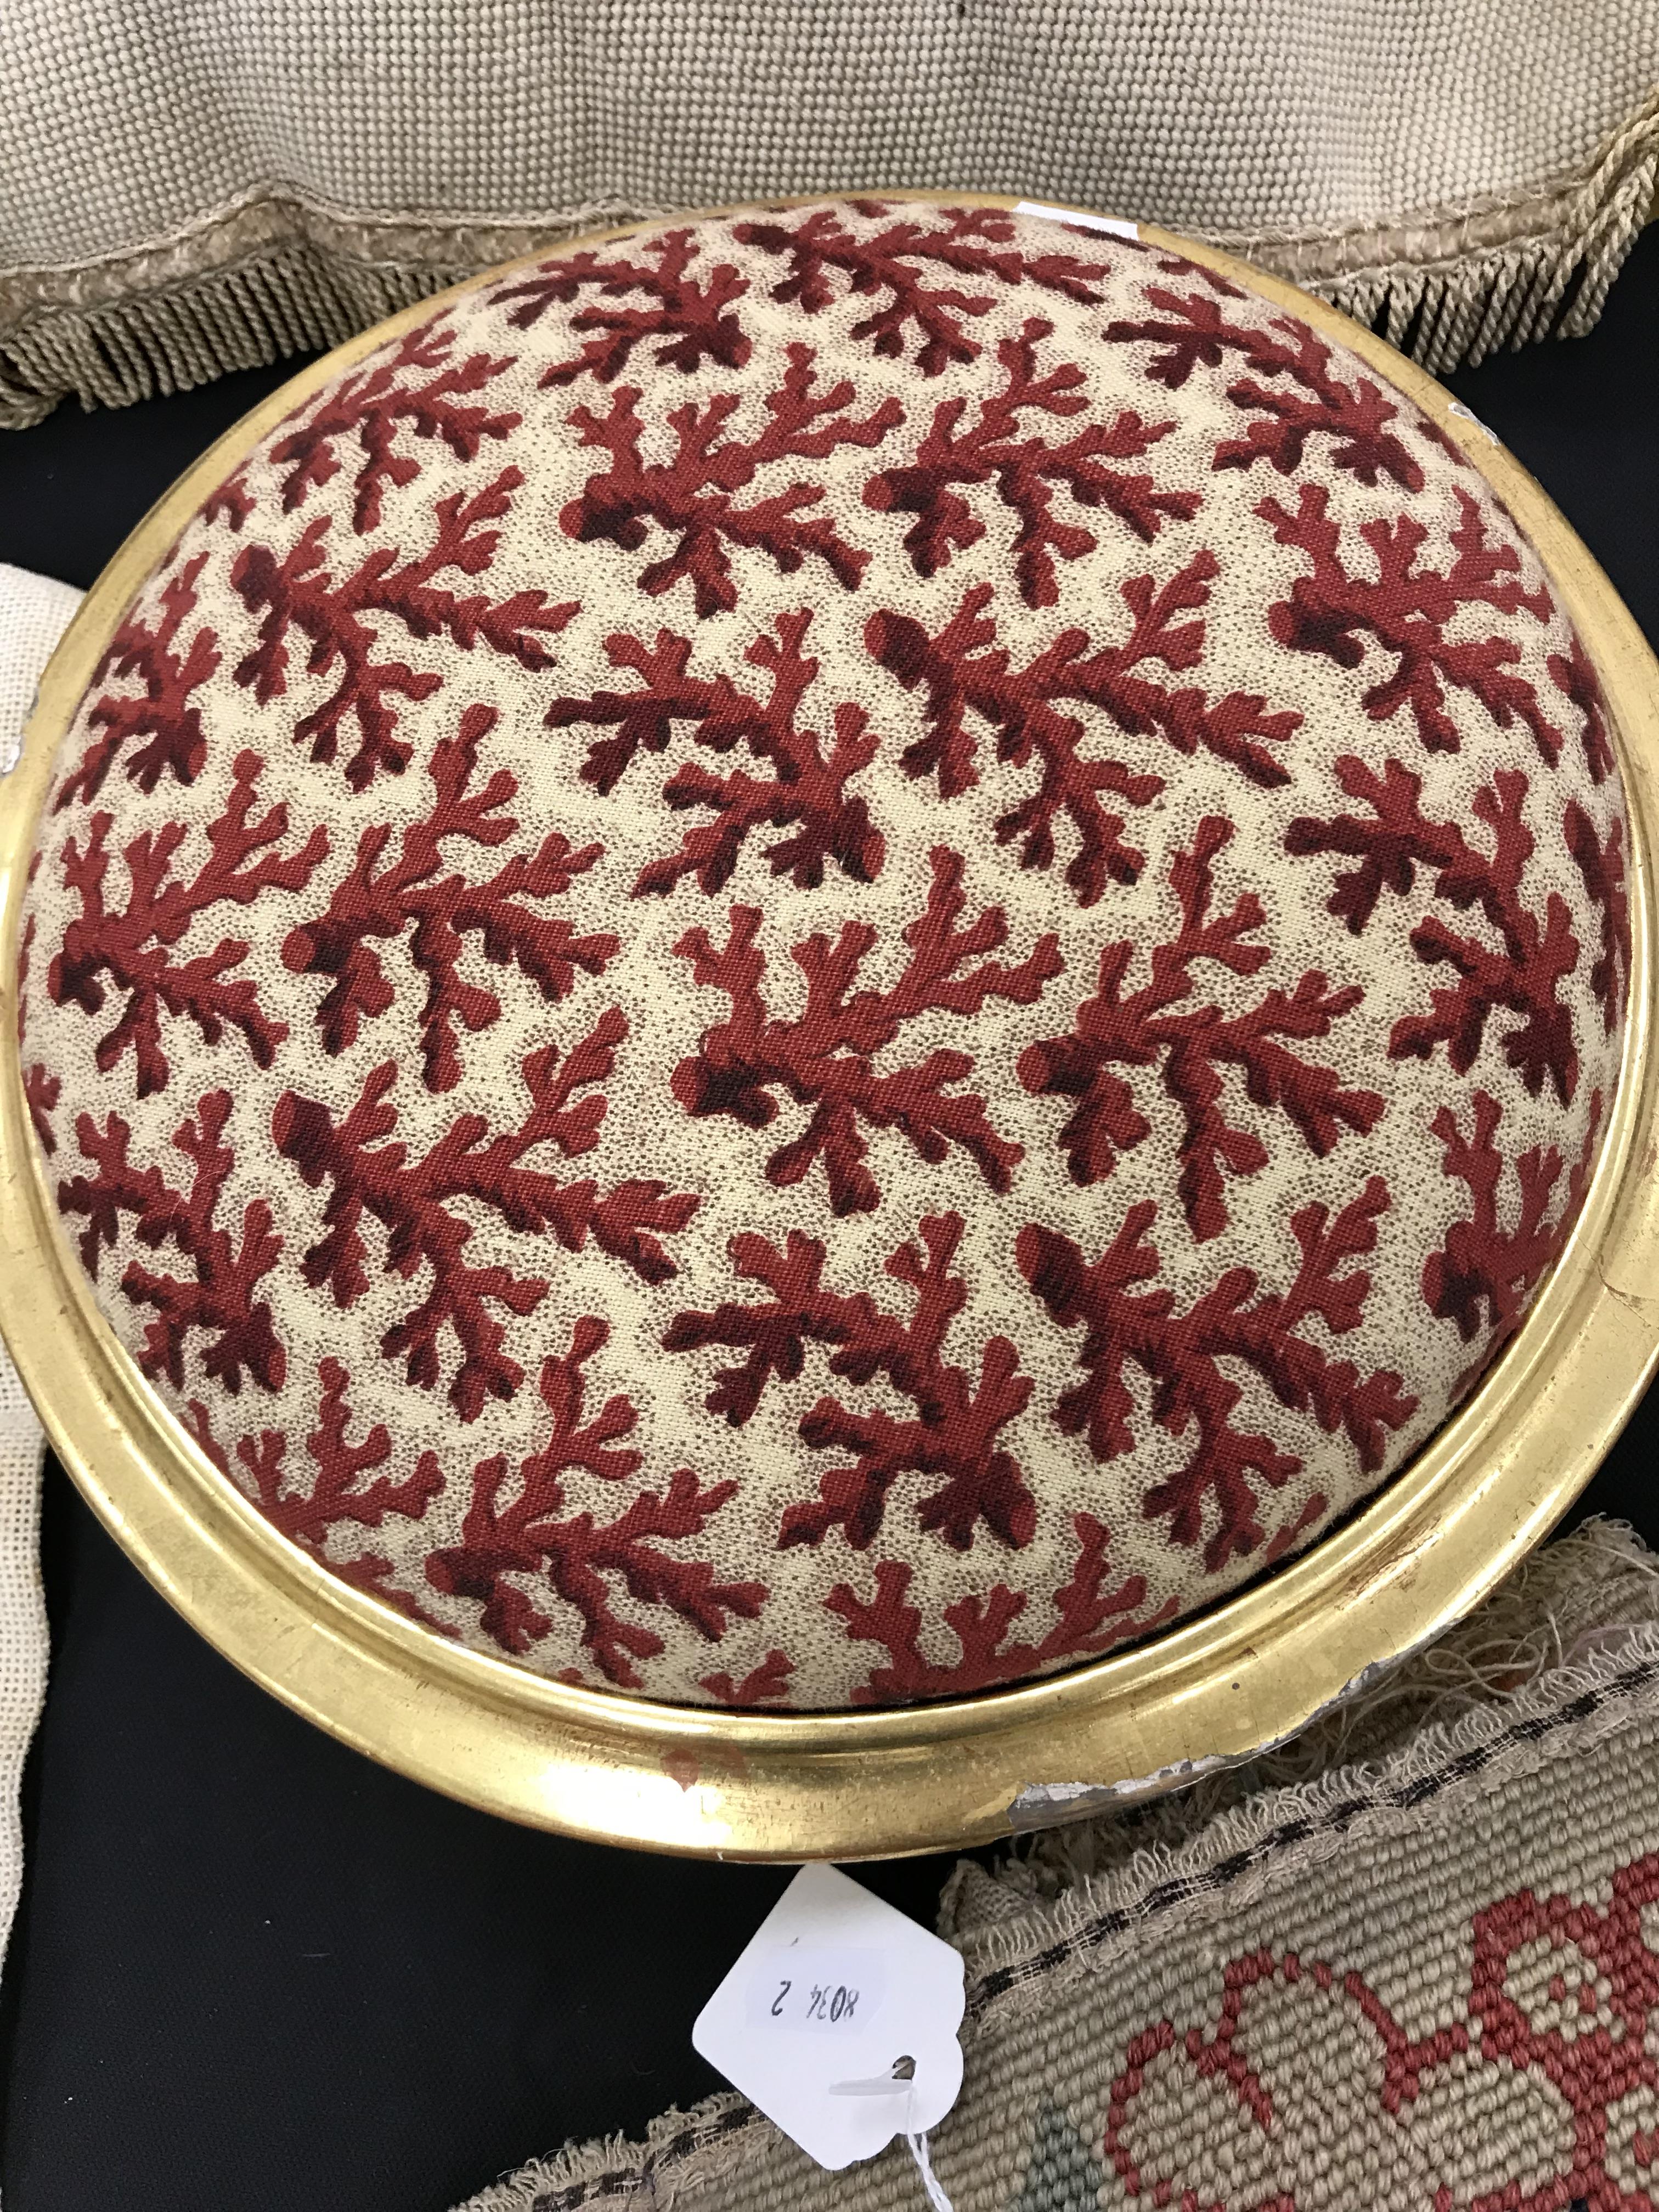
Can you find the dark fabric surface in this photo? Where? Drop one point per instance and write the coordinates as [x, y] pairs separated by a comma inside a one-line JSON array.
[[254, 1972]]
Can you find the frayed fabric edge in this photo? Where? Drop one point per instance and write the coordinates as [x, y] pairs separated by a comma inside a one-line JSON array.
[[1609, 1669], [267, 277], [681, 2149], [276, 272], [1584, 1612]]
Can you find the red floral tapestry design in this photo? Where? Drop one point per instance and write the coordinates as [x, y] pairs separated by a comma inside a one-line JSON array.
[[1558, 1989]]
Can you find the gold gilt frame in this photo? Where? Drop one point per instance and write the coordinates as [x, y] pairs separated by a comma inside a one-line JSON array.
[[850, 1785]]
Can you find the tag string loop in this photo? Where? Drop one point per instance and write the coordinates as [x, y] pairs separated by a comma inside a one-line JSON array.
[[936, 2196]]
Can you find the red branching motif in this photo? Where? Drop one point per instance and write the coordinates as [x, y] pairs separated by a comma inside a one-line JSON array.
[[1308, 398], [41, 1090], [1180, 1355], [1289, 1534], [1406, 609], [694, 497], [1092, 1619], [1522, 975], [1167, 1022], [894, 267], [1602, 866], [414, 1200], [962, 671], [373, 405], [807, 791], [1026, 469], [231, 502], [1484, 1275], [165, 713], [503, 1536], [444, 910], [338, 1498], [759, 1687], [136, 947], [824, 1059], [220, 1299], [952, 1438], [692, 315], [1573, 676], [339, 616]]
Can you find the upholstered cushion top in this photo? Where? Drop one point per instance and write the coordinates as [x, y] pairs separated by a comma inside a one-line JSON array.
[[827, 956]]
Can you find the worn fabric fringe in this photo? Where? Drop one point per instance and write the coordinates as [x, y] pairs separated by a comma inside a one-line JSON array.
[[272, 276], [1561, 1607], [276, 272], [1488, 277]]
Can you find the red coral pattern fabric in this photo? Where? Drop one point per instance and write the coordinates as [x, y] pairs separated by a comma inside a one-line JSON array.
[[823, 957]]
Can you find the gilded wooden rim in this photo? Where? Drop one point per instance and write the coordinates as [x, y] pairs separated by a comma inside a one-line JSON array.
[[849, 1785]]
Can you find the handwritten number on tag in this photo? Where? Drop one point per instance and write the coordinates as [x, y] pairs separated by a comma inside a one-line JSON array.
[[823, 1993]]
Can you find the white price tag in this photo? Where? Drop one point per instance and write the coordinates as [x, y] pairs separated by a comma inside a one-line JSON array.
[[839, 2021]]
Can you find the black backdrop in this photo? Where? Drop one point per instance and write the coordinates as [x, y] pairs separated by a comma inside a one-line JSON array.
[[253, 1972]]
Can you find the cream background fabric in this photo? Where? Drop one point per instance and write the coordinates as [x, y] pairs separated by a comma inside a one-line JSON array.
[[183, 189], [1260, 115], [34, 612]]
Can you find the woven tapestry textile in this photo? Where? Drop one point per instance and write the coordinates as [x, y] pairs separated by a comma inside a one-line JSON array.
[[1422, 1976], [34, 612], [188, 190]]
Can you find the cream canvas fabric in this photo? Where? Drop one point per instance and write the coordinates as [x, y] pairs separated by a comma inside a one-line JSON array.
[[1419, 1970], [186, 189], [33, 612]]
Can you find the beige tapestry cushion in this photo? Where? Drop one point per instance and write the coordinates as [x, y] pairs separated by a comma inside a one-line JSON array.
[[825, 957]]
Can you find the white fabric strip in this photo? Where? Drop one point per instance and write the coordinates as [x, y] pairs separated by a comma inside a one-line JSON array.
[[33, 613]]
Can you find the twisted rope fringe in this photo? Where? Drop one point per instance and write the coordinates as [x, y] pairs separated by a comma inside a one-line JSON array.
[[268, 276], [1494, 277], [274, 273]]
